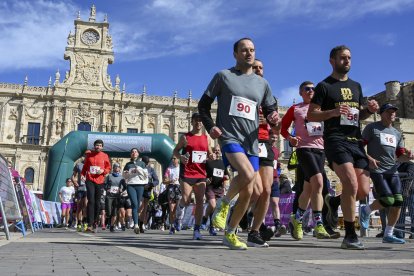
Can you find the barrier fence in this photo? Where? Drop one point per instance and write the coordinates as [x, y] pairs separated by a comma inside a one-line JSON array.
[[10, 211], [405, 223], [19, 207]]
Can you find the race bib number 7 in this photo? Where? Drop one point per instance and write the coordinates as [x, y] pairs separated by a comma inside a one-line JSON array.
[[242, 107], [199, 156], [351, 119]]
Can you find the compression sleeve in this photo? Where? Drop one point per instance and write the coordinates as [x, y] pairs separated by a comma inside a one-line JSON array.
[[287, 121], [204, 107]]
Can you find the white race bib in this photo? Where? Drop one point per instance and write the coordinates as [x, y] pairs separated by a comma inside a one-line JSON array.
[[262, 150], [388, 140], [218, 172], [314, 128], [199, 156], [242, 107], [114, 190], [94, 169], [351, 119]]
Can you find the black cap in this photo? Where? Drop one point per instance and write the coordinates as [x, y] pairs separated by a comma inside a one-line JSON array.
[[195, 115], [387, 106]]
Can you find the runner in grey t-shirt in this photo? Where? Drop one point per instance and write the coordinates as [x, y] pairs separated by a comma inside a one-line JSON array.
[[240, 93], [385, 146]]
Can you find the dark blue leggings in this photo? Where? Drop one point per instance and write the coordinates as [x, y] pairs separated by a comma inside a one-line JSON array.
[[135, 193]]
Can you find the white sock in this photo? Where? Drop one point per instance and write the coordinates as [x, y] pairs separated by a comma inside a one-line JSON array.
[[388, 232]]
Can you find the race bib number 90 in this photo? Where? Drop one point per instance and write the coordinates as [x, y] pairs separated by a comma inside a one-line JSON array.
[[388, 140], [199, 156], [242, 107], [314, 128], [351, 119]]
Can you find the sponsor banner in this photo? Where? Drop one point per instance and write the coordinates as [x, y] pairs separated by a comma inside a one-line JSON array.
[[35, 207], [121, 143], [285, 206]]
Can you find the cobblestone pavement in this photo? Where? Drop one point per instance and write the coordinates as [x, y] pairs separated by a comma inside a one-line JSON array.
[[66, 252]]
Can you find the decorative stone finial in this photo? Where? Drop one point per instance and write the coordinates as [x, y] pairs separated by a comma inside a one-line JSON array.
[[78, 17], [190, 94], [49, 84], [117, 82], [123, 88], [294, 101], [175, 94], [106, 18], [144, 90], [92, 15], [57, 77], [26, 79]]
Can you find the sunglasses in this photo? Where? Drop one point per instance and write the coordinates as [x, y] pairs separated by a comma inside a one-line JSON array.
[[309, 89]]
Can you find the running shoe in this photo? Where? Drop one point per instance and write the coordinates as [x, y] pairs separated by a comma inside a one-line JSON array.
[[112, 229], [172, 230], [320, 232], [85, 227], [332, 233], [66, 227], [177, 225], [212, 231], [203, 226], [352, 244], [197, 235], [162, 227], [363, 216], [95, 228], [103, 228], [219, 219], [281, 230], [233, 242], [380, 234], [296, 231], [255, 240], [123, 227], [332, 214], [266, 234], [136, 229], [79, 228], [392, 239]]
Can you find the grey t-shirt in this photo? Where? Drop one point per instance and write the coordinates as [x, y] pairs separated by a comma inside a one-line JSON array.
[[238, 99], [112, 184], [78, 169], [382, 144]]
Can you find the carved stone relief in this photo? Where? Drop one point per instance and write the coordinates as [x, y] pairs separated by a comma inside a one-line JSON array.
[[87, 69]]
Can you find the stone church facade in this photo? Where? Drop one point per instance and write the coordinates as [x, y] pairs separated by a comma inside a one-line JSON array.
[[33, 119]]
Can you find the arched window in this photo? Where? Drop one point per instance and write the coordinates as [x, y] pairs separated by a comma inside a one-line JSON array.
[[29, 175], [84, 126]]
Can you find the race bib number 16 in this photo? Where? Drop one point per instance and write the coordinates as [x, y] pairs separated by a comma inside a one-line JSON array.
[[242, 107]]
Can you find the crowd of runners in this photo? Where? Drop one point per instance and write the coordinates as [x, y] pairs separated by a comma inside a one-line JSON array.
[[238, 176]]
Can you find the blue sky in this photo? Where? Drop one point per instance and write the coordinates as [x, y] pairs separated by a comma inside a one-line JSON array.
[[180, 44]]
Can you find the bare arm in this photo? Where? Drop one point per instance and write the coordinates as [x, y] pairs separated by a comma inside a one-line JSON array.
[[181, 144], [315, 114]]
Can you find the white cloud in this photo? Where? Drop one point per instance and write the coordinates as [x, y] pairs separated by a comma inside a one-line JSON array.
[[388, 39], [34, 33], [287, 95]]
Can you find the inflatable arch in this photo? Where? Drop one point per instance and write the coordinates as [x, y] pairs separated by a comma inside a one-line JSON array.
[[63, 154]]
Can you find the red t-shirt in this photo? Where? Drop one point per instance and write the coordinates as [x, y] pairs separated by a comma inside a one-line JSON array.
[[197, 148], [93, 162]]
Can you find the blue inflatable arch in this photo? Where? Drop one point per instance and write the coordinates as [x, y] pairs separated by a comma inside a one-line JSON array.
[[63, 154]]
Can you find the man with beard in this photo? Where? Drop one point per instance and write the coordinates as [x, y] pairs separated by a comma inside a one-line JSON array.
[[338, 102]]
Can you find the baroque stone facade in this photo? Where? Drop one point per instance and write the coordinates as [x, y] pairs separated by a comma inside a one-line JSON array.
[[33, 119]]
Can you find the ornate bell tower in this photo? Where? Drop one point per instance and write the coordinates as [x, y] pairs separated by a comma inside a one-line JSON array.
[[89, 51]]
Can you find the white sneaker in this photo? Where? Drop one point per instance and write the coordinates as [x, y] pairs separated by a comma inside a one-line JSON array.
[[197, 235]]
